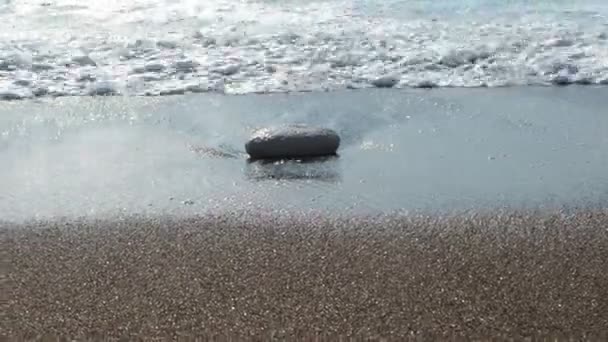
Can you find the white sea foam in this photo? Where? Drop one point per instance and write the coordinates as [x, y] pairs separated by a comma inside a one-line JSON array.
[[156, 47]]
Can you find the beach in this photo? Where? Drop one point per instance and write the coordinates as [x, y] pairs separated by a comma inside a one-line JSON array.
[[499, 275], [449, 213], [468, 199]]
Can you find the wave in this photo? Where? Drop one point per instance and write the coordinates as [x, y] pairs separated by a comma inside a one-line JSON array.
[[146, 47]]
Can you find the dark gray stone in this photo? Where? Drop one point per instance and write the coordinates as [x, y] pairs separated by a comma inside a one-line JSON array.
[[292, 141], [385, 82]]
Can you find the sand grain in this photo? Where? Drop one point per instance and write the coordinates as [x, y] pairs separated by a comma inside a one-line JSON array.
[[503, 274]]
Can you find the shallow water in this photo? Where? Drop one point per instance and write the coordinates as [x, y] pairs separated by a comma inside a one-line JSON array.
[[154, 47], [445, 149]]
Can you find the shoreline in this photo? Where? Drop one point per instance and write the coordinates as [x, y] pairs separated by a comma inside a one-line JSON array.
[[513, 274], [211, 92]]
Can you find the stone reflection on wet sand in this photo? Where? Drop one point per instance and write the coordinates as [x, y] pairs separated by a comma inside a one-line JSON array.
[[286, 275], [325, 169]]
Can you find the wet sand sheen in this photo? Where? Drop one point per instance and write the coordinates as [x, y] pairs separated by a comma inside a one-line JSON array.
[[451, 149], [508, 273]]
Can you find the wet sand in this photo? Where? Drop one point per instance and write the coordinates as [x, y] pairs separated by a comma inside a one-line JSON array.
[[286, 275], [449, 149]]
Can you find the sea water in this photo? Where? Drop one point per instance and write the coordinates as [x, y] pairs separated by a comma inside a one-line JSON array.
[[164, 47]]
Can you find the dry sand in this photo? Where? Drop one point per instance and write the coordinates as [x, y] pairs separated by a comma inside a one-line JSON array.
[[258, 276]]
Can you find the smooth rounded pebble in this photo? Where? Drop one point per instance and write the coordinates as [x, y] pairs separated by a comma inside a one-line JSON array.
[[385, 82], [292, 141]]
